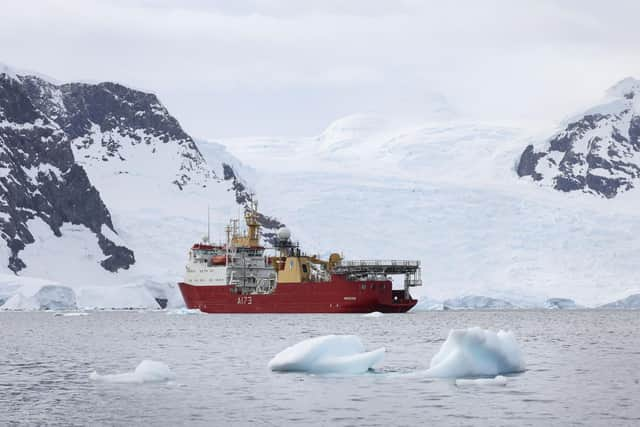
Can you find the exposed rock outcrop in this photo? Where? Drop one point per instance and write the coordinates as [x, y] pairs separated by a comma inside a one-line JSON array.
[[598, 152]]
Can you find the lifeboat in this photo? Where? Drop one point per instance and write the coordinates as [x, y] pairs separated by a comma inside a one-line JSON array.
[[219, 260]]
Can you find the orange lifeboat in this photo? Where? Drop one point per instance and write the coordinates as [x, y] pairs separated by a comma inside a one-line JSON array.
[[219, 260]]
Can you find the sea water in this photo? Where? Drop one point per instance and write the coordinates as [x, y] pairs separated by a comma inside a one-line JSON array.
[[582, 368]]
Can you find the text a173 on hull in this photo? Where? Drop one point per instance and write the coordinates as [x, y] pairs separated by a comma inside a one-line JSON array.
[[239, 277]]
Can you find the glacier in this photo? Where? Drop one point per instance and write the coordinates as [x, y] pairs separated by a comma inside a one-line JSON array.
[[476, 302], [561, 304], [328, 354], [630, 302], [447, 193], [29, 293]]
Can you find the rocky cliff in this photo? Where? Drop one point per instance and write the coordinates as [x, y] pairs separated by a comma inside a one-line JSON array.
[[597, 152]]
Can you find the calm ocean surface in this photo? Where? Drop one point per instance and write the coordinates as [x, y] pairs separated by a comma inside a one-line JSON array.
[[583, 368]]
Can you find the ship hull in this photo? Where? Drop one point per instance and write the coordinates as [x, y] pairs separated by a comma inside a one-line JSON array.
[[338, 295]]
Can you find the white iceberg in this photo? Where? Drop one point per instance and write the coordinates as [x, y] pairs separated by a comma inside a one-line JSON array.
[[477, 352], [328, 354], [147, 371]]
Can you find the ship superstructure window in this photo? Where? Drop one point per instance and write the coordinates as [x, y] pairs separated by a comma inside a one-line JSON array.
[[305, 269]]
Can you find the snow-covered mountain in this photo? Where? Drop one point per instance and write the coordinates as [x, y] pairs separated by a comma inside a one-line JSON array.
[[100, 186], [597, 152], [102, 192], [42, 185], [447, 193]]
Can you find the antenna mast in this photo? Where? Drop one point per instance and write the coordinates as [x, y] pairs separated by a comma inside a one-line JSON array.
[[208, 224]]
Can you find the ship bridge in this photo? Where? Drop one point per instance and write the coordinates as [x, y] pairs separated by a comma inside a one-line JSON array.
[[364, 269]]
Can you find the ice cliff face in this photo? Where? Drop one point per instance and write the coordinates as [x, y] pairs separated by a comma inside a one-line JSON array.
[[39, 177], [598, 152], [630, 302], [477, 302]]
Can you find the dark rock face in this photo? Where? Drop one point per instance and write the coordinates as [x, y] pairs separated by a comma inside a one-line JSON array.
[[243, 197], [108, 114], [40, 179], [598, 153], [162, 302], [528, 162]]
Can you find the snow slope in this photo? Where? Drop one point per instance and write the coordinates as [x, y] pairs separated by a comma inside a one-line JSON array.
[[447, 193]]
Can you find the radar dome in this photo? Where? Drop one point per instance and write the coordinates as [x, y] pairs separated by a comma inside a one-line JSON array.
[[284, 234]]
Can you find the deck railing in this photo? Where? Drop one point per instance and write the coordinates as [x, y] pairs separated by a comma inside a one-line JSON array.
[[380, 263]]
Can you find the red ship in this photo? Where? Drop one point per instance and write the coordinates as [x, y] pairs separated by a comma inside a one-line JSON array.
[[238, 277]]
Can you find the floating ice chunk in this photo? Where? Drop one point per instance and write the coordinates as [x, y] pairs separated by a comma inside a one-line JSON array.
[[498, 380], [373, 314], [183, 311], [339, 354], [72, 314], [476, 352], [147, 371]]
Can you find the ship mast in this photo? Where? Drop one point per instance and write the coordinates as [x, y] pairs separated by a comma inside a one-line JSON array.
[[252, 237]]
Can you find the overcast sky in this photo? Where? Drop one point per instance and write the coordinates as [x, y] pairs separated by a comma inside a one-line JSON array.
[[289, 68]]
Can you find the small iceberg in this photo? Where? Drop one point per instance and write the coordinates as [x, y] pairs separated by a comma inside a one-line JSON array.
[[328, 354], [146, 372], [373, 314], [183, 311], [72, 314], [476, 352]]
